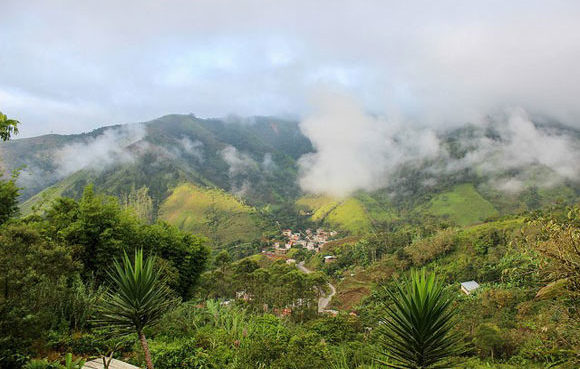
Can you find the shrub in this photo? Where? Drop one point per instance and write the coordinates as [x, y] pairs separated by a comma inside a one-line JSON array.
[[427, 249]]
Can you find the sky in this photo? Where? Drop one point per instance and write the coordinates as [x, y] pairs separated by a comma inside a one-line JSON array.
[[72, 66]]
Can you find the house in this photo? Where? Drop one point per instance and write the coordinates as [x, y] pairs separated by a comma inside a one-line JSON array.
[[290, 261], [114, 364], [243, 295], [329, 259], [468, 287]]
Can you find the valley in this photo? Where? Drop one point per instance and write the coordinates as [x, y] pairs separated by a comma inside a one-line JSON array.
[[311, 265], [289, 184]]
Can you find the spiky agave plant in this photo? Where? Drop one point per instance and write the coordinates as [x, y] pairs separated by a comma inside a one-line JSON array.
[[417, 331], [137, 299]]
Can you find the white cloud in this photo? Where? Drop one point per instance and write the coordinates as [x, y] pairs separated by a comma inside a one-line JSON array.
[[78, 64], [239, 162], [193, 148], [100, 152], [355, 150]]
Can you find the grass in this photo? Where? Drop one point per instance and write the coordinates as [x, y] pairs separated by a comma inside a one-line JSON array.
[[210, 212], [349, 215], [463, 205], [378, 211]]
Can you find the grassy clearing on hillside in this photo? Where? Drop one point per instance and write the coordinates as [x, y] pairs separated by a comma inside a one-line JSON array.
[[320, 206], [379, 212], [463, 205], [349, 215], [210, 212]]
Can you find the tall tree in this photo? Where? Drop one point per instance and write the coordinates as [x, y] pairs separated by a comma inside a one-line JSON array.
[[8, 127], [9, 193], [8, 189], [138, 299], [417, 330]]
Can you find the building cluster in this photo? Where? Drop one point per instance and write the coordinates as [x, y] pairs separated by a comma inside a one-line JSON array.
[[310, 240]]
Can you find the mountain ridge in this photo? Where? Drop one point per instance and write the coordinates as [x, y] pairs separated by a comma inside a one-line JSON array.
[[257, 160]]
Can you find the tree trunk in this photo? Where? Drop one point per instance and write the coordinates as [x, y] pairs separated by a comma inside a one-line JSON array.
[[145, 346]]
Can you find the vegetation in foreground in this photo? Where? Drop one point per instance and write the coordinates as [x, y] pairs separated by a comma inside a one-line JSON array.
[[261, 312], [59, 285]]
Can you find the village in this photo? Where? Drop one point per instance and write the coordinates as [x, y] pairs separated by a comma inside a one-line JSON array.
[[309, 240]]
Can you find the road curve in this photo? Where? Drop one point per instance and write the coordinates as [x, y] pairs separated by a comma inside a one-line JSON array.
[[323, 301]]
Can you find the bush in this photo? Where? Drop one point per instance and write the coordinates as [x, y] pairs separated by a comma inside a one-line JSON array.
[[41, 364], [178, 354], [427, 249], [490, 340]]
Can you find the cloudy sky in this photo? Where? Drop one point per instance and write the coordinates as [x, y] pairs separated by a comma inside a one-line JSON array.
[[70, 66]]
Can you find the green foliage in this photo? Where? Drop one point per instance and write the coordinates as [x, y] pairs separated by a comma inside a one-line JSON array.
[[179, 354], [69, 363], [9, 193], [103, 231], [211, 212], [348, 215], [463, 205], [222, 260], [34, 278], [336, 329], [558, 239], [8, 127], [40, 364], [139, 298], [418, 328], [488, 339]]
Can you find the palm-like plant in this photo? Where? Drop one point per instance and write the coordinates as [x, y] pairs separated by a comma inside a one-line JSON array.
[[138, 299], [417, 331]]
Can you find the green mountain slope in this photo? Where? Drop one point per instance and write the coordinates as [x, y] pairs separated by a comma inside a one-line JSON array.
[[463, 205], [356, 215], [211, 212], [257, 160]]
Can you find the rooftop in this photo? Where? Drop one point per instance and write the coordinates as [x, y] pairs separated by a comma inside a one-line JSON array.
[[470, 285], [115, 364]]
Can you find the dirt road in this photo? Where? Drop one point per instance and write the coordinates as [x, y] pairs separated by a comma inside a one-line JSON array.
[[323, 301]]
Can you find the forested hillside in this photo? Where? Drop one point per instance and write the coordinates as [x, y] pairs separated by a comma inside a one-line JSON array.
[[257, 161], [174, 233]]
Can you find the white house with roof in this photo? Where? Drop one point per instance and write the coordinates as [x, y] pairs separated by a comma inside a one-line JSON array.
[[469, 286]]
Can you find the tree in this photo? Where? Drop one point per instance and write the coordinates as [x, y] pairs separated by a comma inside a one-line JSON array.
[[488, 338], [222, 260], [8, 127], [34, 275], [102, 230], [8, 189], [417, 331], [9, 193], [139, 298], [559, 241]]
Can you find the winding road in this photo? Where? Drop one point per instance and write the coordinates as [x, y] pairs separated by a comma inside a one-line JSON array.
[[323, 301]]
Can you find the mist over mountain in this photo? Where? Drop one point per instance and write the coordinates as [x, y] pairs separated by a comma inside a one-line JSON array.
[[363, 152], [265, 161]]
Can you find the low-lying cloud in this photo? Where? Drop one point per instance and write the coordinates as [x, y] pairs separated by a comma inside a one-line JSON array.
[[110, 148], [192, 148], [358, 151], [355, 150]]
